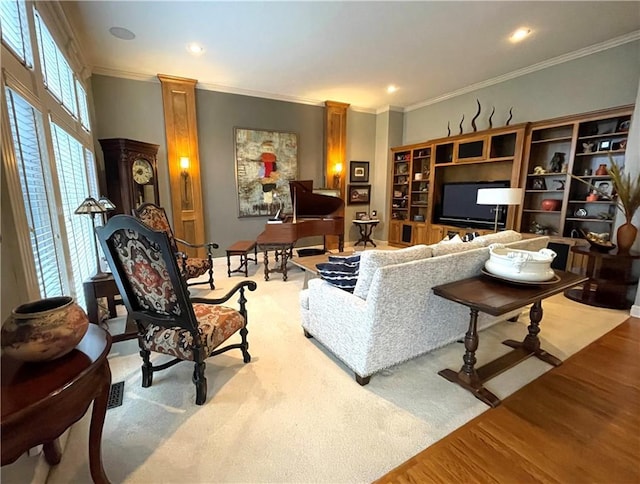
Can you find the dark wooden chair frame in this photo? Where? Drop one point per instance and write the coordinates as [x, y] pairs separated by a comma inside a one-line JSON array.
[[187, 320], [210, 246]]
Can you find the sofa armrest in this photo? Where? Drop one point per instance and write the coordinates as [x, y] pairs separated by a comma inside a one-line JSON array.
[[326, 300]]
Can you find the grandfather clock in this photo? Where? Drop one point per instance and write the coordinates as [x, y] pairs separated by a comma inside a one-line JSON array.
[[131, 171]]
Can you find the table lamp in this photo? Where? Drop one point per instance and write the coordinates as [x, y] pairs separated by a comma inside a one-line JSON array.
[[497, 197], [90, 206]]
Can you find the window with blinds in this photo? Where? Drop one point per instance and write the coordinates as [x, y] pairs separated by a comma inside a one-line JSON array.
[[15, 30], [72, 174], [55, 171], [26, 131], [57, 74]]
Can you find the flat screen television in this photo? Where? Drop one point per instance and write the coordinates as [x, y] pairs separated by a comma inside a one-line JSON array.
[[458, 205]]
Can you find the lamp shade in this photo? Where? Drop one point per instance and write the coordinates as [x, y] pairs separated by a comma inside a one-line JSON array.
[[106, 203], [499, 196], [90, 205]]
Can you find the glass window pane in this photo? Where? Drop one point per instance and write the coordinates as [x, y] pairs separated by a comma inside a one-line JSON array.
[[15, 29], [26, 131]]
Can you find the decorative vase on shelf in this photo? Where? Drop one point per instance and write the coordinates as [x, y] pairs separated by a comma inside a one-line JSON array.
[[602, 170], [625, 237], [551, 204], [44, 330]]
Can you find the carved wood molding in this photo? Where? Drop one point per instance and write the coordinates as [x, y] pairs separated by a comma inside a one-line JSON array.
[[181, 131], [335, 139]]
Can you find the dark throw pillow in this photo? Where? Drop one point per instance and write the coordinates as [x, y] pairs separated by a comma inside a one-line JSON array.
[[341, 272]]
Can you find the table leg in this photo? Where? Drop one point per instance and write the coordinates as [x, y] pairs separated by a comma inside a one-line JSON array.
[[52, 452], [92, 303], [285, 258], [468, 377], [228, 265], [266, 265], [95, 430], [531, 342]]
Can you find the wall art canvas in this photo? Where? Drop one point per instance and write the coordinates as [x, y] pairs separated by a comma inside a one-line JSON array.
[[265, 163]]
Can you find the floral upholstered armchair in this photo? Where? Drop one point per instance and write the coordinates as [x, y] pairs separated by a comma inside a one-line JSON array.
[[190, 267], [157, 299]]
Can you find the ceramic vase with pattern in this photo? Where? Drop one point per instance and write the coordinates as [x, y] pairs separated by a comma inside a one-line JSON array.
[[44, 330]]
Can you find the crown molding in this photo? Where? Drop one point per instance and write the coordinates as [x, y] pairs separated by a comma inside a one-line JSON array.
[[389, 107], [593, 49]]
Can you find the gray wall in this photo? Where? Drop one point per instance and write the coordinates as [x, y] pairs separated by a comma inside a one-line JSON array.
[[598, 81]]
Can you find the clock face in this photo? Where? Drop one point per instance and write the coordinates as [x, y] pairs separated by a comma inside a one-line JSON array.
[[142, 171]]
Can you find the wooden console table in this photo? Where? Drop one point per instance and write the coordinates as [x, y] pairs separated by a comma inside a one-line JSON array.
[[41, 400], [610, 277], [496, 298]]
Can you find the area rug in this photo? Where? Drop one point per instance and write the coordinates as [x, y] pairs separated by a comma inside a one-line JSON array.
[[295, 413]]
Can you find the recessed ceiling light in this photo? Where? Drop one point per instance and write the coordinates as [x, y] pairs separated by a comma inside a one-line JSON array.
[[195, 49], [391, 89], [520, 34], [122, 33]]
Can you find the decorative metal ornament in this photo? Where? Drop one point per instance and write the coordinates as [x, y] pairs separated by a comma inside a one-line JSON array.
[[461, 121], [510, 116], [473, 121], [493, 110], [448, 129]]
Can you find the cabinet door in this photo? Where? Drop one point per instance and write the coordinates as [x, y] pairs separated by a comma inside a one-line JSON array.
[[435, 234], [419, 234], [394, 231]]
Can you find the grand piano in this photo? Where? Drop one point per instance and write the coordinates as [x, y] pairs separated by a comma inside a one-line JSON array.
[[314, 215]]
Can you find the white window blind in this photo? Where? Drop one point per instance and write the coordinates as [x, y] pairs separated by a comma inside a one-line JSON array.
[[26, 130], [57, 74], [82, 106], [74, 188], [15, 29]]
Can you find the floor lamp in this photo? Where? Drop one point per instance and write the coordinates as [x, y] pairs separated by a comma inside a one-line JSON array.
[[498, 197], [90, 206]]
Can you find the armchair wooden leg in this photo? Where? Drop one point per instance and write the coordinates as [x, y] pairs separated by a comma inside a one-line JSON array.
[[147, 369], [362, 380], [246, 357], [211, 284], [201, 383]]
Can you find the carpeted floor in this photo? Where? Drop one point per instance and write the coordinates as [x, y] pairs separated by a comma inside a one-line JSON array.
[[295, 414]]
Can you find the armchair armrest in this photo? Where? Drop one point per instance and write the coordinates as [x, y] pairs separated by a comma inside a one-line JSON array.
[[209, 245], [251, 285]]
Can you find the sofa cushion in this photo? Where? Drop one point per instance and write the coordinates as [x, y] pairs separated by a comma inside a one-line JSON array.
[[503, 237], [372, 260], [345, 259], [340, 274], [443, 248]]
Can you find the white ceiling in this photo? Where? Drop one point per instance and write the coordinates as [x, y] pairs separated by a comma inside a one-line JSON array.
[[346, 51]]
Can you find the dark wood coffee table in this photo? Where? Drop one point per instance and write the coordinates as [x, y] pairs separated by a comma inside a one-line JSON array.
[[494, 297]]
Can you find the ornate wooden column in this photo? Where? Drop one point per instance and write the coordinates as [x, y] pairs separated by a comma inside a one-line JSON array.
[[335, 138], [181, 130]]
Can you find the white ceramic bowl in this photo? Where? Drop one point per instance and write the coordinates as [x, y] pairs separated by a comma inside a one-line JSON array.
[[520, 265]]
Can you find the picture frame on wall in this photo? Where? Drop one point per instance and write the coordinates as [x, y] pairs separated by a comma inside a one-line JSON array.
[[265, 163], [359, 172], [358, 194]]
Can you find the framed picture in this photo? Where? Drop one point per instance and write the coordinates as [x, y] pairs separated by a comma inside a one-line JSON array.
[[604, 145], [361, 215], [359, 172], [358, 194], [265, 163], [605, 187]]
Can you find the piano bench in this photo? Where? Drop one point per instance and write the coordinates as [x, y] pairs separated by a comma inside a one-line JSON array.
[[242, 248]]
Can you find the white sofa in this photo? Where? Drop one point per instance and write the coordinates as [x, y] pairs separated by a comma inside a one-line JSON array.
[[393, 315]]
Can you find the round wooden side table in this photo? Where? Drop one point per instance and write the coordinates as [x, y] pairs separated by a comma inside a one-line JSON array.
[[41, 400], [610, 278]]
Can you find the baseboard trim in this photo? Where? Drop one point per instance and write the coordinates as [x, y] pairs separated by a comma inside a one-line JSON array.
[[635, 311]]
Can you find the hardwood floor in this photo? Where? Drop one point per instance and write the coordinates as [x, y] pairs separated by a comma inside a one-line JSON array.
[[579, 422]]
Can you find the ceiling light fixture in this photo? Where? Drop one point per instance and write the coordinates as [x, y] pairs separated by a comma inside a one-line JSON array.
[[391, 89], [122, 33], [520, 34], [195, 49]]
